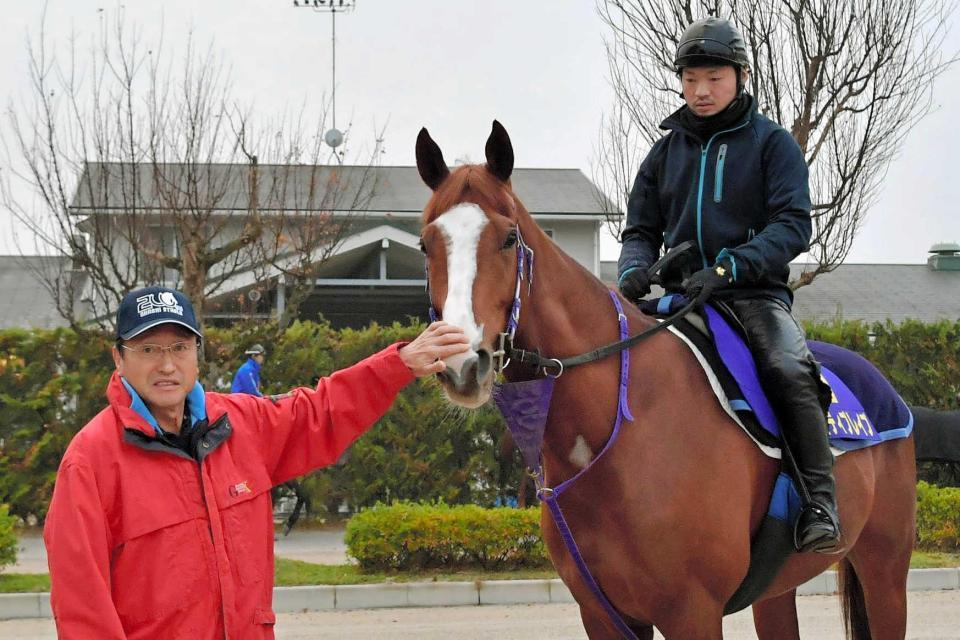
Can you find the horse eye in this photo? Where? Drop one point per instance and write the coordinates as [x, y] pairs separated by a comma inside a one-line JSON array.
[[423, 249], [511, 239]]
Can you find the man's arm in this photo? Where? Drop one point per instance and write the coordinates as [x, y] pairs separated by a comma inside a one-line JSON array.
[[78, 554], [788, 229], [643, 236], [310, 428]]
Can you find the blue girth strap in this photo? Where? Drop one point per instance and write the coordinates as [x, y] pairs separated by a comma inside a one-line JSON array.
[[550, 495]]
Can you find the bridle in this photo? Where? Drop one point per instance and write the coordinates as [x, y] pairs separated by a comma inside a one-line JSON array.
[[502, 355]]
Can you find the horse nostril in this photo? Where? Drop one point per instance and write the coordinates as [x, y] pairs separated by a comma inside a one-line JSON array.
[[483, 364], [468, 375]]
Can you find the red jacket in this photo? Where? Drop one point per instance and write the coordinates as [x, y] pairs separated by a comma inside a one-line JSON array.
[[145, 542]]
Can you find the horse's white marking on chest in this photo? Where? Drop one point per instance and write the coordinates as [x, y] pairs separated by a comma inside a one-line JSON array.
[[462, 226], [581, 455]]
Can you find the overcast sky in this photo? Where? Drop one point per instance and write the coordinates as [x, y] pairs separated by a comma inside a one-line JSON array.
[[538, 66]]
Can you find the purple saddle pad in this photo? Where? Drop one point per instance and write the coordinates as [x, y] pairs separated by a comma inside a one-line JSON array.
[[865, 409]]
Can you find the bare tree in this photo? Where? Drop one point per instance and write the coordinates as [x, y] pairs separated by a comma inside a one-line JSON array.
[[313, 206], [848, 79], [146, 171]]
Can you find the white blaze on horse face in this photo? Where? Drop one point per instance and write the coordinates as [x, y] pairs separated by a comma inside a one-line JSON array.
[[581, 454], [462, 226]]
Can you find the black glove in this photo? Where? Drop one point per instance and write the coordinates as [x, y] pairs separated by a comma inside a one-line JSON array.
[[706, 282], [635, 284]]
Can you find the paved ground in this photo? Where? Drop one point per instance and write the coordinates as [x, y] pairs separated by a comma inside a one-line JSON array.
[[934, 615], [323, 546]]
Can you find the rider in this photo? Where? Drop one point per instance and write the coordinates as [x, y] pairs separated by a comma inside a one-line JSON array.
[[736, 183]]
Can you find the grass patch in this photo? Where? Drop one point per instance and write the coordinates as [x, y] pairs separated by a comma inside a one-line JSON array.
[[934, 560], [291, 573], [24, 582]]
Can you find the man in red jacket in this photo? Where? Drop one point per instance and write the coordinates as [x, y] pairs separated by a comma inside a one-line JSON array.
[[161, 521]]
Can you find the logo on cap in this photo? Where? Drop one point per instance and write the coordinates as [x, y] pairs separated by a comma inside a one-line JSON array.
[[161, 302]]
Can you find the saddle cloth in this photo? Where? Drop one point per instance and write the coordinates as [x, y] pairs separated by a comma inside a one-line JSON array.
[[865, 409]]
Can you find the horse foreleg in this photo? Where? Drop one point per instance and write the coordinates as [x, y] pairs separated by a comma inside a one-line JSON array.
[[776, 618]]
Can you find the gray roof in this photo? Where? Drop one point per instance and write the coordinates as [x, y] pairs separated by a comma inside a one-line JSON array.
[[868, 292], [106, 187], [877, 292], [27, 303]]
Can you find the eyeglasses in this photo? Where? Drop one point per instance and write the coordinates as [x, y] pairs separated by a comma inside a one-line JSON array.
[[178, 350]]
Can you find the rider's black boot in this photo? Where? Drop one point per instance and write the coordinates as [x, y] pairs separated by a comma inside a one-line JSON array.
[[818, 526]]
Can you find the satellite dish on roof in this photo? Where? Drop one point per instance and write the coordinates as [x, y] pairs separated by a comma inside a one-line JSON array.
[[333, 137]]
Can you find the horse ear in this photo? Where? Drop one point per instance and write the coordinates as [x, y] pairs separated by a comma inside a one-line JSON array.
[[499, 152], [433, 170]]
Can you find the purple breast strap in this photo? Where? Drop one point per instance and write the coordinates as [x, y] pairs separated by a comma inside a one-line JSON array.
[[525, 406]]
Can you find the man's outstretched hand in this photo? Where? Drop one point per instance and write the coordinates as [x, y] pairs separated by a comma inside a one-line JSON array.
[[426, 353]]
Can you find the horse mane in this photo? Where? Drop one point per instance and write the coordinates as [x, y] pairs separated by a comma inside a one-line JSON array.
[[472, 183]]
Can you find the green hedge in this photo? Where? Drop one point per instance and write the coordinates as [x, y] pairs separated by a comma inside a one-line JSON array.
[[52, 382], [406, 536], [938, 518], [8, 539]]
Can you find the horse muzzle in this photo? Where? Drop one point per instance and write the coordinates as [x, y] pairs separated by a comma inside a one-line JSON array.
[[468, 378]]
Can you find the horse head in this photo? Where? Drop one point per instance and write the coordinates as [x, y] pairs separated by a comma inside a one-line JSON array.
[[471, 234]]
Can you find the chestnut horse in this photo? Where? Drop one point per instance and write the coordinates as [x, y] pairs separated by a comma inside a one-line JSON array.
[[664, 520]]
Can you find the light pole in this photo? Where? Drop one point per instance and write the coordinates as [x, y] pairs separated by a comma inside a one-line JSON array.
[[333, 137]]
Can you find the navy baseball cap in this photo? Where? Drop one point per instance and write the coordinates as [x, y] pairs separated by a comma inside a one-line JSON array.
[[152, 306]]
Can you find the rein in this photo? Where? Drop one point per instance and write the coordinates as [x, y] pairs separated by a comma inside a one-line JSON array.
[[534, 358]]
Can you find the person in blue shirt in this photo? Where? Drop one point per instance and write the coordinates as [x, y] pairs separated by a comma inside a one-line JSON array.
[[736, 184], [247, 378]]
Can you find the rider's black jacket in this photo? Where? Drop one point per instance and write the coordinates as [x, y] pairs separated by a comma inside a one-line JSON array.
[[742, 195]]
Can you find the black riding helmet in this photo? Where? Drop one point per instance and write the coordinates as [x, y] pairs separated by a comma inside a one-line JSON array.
[[712, 41]]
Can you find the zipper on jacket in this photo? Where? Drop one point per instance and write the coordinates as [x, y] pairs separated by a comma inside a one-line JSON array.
[[703, 168], [718, 174]]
